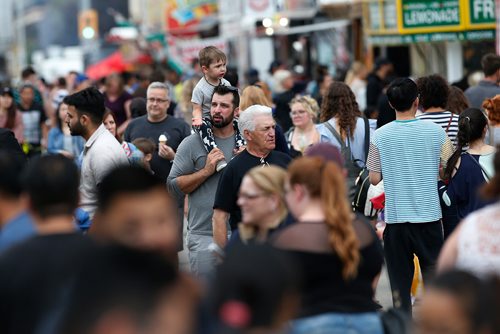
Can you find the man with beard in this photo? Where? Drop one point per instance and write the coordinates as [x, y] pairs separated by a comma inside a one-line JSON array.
[[155, 124], [194, 174], [102, 152]]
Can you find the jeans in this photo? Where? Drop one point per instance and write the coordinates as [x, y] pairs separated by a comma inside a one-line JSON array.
[[202, 261], [339, 323]]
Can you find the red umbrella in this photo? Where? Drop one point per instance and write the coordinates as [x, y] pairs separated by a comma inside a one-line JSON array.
[[112, 64]]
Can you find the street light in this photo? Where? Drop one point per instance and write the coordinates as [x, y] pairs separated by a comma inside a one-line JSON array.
[[284, 21], [267, 22]]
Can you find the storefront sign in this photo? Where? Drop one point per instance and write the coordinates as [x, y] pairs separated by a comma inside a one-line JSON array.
[[427, 16], [480, 14]]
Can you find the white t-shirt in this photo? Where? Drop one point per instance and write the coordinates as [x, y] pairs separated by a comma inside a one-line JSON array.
[[101, 154]]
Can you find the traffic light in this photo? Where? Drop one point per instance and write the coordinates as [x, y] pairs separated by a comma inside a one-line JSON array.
[[88, 24]]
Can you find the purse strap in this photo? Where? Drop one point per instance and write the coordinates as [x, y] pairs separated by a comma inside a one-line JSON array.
[[478, 164], [449, 123]]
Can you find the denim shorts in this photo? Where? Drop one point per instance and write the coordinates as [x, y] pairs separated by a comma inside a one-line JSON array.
[[339, 323]]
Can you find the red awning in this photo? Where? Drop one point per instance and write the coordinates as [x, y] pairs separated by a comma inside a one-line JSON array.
[[115, 63]]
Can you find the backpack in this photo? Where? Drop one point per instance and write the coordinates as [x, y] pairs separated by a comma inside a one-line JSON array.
[[351, 164]]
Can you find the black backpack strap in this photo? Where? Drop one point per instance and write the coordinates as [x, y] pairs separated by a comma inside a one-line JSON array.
[[367, 137]]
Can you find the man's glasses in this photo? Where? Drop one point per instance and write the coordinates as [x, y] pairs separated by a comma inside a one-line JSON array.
[[155, 100], [263, 162]]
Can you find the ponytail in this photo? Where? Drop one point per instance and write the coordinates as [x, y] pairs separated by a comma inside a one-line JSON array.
[[324, 180], [471, 126], [462, 141], [338, 218]]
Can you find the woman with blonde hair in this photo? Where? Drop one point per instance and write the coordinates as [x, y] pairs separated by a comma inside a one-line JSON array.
[[356, 80], [338, 252], [304, 112], [262, 203], [185, 107], [254, 95]]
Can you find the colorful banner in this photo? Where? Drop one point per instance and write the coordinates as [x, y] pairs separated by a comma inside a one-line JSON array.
[[189, 15]]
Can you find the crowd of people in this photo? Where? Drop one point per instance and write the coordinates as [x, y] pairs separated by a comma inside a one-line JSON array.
[[97, 181]]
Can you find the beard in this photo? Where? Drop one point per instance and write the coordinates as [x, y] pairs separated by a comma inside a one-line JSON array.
[[76, 130], [222, 122]]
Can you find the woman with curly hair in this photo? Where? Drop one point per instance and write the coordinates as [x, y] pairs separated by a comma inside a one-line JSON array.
[[337, 251], [343, 123], [457, 102]]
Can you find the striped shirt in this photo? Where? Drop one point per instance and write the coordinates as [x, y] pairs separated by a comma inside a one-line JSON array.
[[409, 154], [442, 118]]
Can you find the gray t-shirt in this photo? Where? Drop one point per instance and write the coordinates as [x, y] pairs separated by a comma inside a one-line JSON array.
[[190, 158], [477, 94], [202, 94]]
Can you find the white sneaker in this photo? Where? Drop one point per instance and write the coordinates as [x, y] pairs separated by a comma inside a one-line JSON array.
[[221, 165]]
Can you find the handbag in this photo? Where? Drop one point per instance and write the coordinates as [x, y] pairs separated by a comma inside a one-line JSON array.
[[395, 321]]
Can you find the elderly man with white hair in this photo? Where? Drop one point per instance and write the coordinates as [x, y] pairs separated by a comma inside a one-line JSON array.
[[257, 126]]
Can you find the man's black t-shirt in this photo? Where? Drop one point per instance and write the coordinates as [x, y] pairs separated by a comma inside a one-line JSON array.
[[34, 276], [230, 181]]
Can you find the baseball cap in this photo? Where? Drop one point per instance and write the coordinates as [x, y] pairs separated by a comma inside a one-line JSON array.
[[8, 91]]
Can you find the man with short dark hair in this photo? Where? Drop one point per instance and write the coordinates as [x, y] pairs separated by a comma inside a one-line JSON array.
[[34, 274], [102, 152], [375, 81], [257, 126], [194, 174], [408, 154], [16, 225], [34, 117], [488, 87], [122, 290]]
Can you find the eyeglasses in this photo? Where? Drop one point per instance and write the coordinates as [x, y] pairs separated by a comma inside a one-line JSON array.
[[298, 113], [155, 100], [250, 197], [263, 163]]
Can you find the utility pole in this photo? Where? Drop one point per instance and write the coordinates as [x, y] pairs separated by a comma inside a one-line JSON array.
[[20, 36]]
